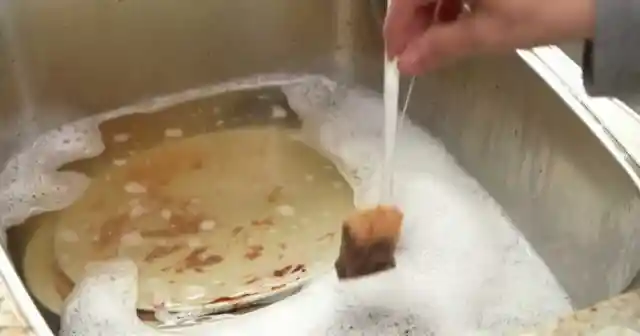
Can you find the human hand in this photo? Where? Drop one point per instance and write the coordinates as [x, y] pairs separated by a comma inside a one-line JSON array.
[[491, 26]]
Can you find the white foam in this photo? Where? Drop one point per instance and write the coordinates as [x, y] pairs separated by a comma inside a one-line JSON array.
[[119, 162], [278, 112], [462, 266], [104, 303], [30, 183], [207, 225], [173, 133], [286, 210], [135, 188], [121, 137]]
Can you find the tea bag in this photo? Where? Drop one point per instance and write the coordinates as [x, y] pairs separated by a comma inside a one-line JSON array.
[[369, 236], [369, 240]]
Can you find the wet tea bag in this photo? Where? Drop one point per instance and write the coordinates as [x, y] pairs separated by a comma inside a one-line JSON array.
[[370, 236]]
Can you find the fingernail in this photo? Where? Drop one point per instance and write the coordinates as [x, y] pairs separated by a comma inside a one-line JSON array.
[[391, 54], [409, 61], [392, 50]]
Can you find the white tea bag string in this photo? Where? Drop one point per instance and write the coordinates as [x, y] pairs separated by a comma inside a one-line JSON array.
[[403, 113], [391, 125], [391, 97]]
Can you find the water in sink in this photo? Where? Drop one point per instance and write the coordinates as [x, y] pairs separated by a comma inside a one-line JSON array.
[[462, 266], [218, 202]]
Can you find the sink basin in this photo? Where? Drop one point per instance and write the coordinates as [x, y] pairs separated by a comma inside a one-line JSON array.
[[566, 186]]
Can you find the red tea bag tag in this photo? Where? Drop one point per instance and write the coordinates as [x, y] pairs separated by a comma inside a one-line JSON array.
[[448, 10]]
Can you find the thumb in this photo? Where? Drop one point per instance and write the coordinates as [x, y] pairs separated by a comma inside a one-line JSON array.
[[448, 42]]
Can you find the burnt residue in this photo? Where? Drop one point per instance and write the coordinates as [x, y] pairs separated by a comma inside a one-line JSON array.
[[252, 280], [254, 252], [275, 195], [197, 260], [231, 299], [299, 268], [159, 252], [278, 287], [236, 231], [327, 236], [289, 269], [146, 315], [268, 221], [283, 271]]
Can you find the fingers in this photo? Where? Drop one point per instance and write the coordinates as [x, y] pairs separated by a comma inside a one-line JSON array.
[[448, 10], [406, 19], [399, 16], [444, 43]]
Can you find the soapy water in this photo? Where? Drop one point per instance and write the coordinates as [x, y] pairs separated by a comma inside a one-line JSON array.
[[462, 266], [40, 188]]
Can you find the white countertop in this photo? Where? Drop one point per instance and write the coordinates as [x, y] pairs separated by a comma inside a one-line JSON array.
[[11, 321]]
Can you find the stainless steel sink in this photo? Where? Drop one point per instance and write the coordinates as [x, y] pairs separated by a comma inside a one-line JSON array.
[[554, 175]]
